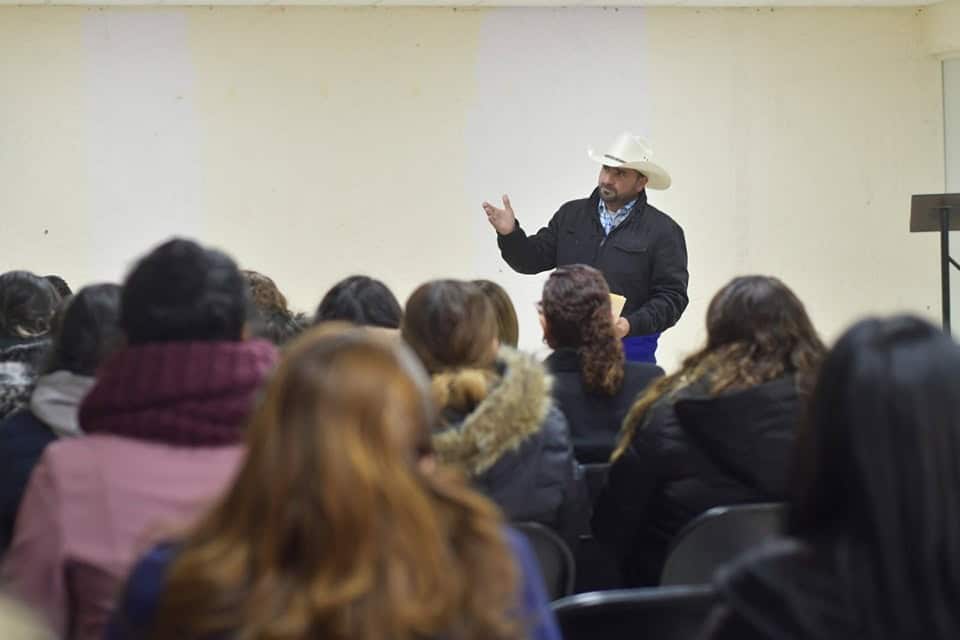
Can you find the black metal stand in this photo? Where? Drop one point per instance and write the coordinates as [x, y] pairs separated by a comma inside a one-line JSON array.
[[932, 213], [945, 266]]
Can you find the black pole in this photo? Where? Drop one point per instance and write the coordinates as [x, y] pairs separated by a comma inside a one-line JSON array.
[[945, 265]]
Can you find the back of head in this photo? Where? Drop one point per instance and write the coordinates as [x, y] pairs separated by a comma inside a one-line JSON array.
[[183, 292], [879, 475], [269, 317], [757, 331], [577, 315], [27, 305], [450, 325], [63, 289], [86, 330], [508, 328], [334, 527], [360, 300], [263, 292]]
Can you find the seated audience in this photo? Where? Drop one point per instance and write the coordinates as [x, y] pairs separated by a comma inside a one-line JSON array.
[[508, 329], [593, 385], [270, 318], [873, 547], [719, 431], [361, 301], [339, 523], [27, 305], [498, 421], [164, 427], [85, 332]]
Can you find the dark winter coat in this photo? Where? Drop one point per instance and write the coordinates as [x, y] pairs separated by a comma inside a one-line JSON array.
[[24, 437], [695, 451], [644, 259], [515, 445], [595, 418], [784, 590]]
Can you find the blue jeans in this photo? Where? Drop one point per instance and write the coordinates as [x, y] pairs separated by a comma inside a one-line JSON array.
[[641, 348]]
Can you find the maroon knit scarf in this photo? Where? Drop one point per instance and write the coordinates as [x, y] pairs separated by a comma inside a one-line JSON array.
[[178, 393]]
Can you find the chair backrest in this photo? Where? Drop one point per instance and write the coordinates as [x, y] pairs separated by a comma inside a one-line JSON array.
[[595, 477], [554, 557], [659, 613], [718, 536]]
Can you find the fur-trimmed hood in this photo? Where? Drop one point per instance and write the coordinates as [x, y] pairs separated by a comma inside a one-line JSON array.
[[16, 381], [18, 362], [488, 414], [28, 351]]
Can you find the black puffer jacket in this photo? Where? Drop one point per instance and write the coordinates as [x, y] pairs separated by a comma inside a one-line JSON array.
[[595, 418], [693, 452], [515, 445]]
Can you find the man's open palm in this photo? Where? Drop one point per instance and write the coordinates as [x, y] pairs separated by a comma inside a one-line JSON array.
[[503, 220]]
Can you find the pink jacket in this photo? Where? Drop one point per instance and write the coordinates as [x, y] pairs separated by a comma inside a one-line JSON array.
[[92, 507]]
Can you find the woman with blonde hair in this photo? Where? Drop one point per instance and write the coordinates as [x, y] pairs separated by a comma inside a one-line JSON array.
[[719, 431], [339, 525]]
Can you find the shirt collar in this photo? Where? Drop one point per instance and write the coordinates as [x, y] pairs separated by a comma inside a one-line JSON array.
[[624, 210]]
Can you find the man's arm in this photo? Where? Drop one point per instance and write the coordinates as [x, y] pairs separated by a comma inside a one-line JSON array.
[[530, 254], [524, 254], [668, 286]]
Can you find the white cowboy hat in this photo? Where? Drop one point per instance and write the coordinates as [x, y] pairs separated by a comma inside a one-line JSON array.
[[632, 152]]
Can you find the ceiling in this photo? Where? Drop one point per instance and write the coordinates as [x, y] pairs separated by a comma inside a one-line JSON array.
[[486, 3]]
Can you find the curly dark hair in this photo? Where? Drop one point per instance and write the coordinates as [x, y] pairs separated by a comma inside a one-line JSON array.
[[576, 308], [757, 331], [268, 316], [264, 293]]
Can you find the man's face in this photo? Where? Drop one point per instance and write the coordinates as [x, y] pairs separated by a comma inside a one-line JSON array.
[[620, 186]]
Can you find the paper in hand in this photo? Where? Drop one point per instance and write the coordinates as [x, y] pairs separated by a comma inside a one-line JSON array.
[[616, 304]]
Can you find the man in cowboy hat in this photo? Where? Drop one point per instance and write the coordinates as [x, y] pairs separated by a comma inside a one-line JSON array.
[[640, 250]]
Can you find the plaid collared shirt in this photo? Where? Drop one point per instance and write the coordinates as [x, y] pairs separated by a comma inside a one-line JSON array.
[[610, 221]]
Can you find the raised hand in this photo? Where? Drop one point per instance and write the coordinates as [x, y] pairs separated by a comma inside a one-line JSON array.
[[503, 220]]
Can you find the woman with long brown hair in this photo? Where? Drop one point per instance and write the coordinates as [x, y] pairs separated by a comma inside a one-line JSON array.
[[593, 384], [498, 420], [508, 328], [718, 431], [338, 524]]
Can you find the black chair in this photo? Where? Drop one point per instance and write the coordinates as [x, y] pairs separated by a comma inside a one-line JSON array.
[[718, 536], [660, 613], [597, 568], [595, 477], [553, 556]]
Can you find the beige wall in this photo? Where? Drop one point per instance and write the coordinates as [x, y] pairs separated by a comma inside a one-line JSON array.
[[313, 142]]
